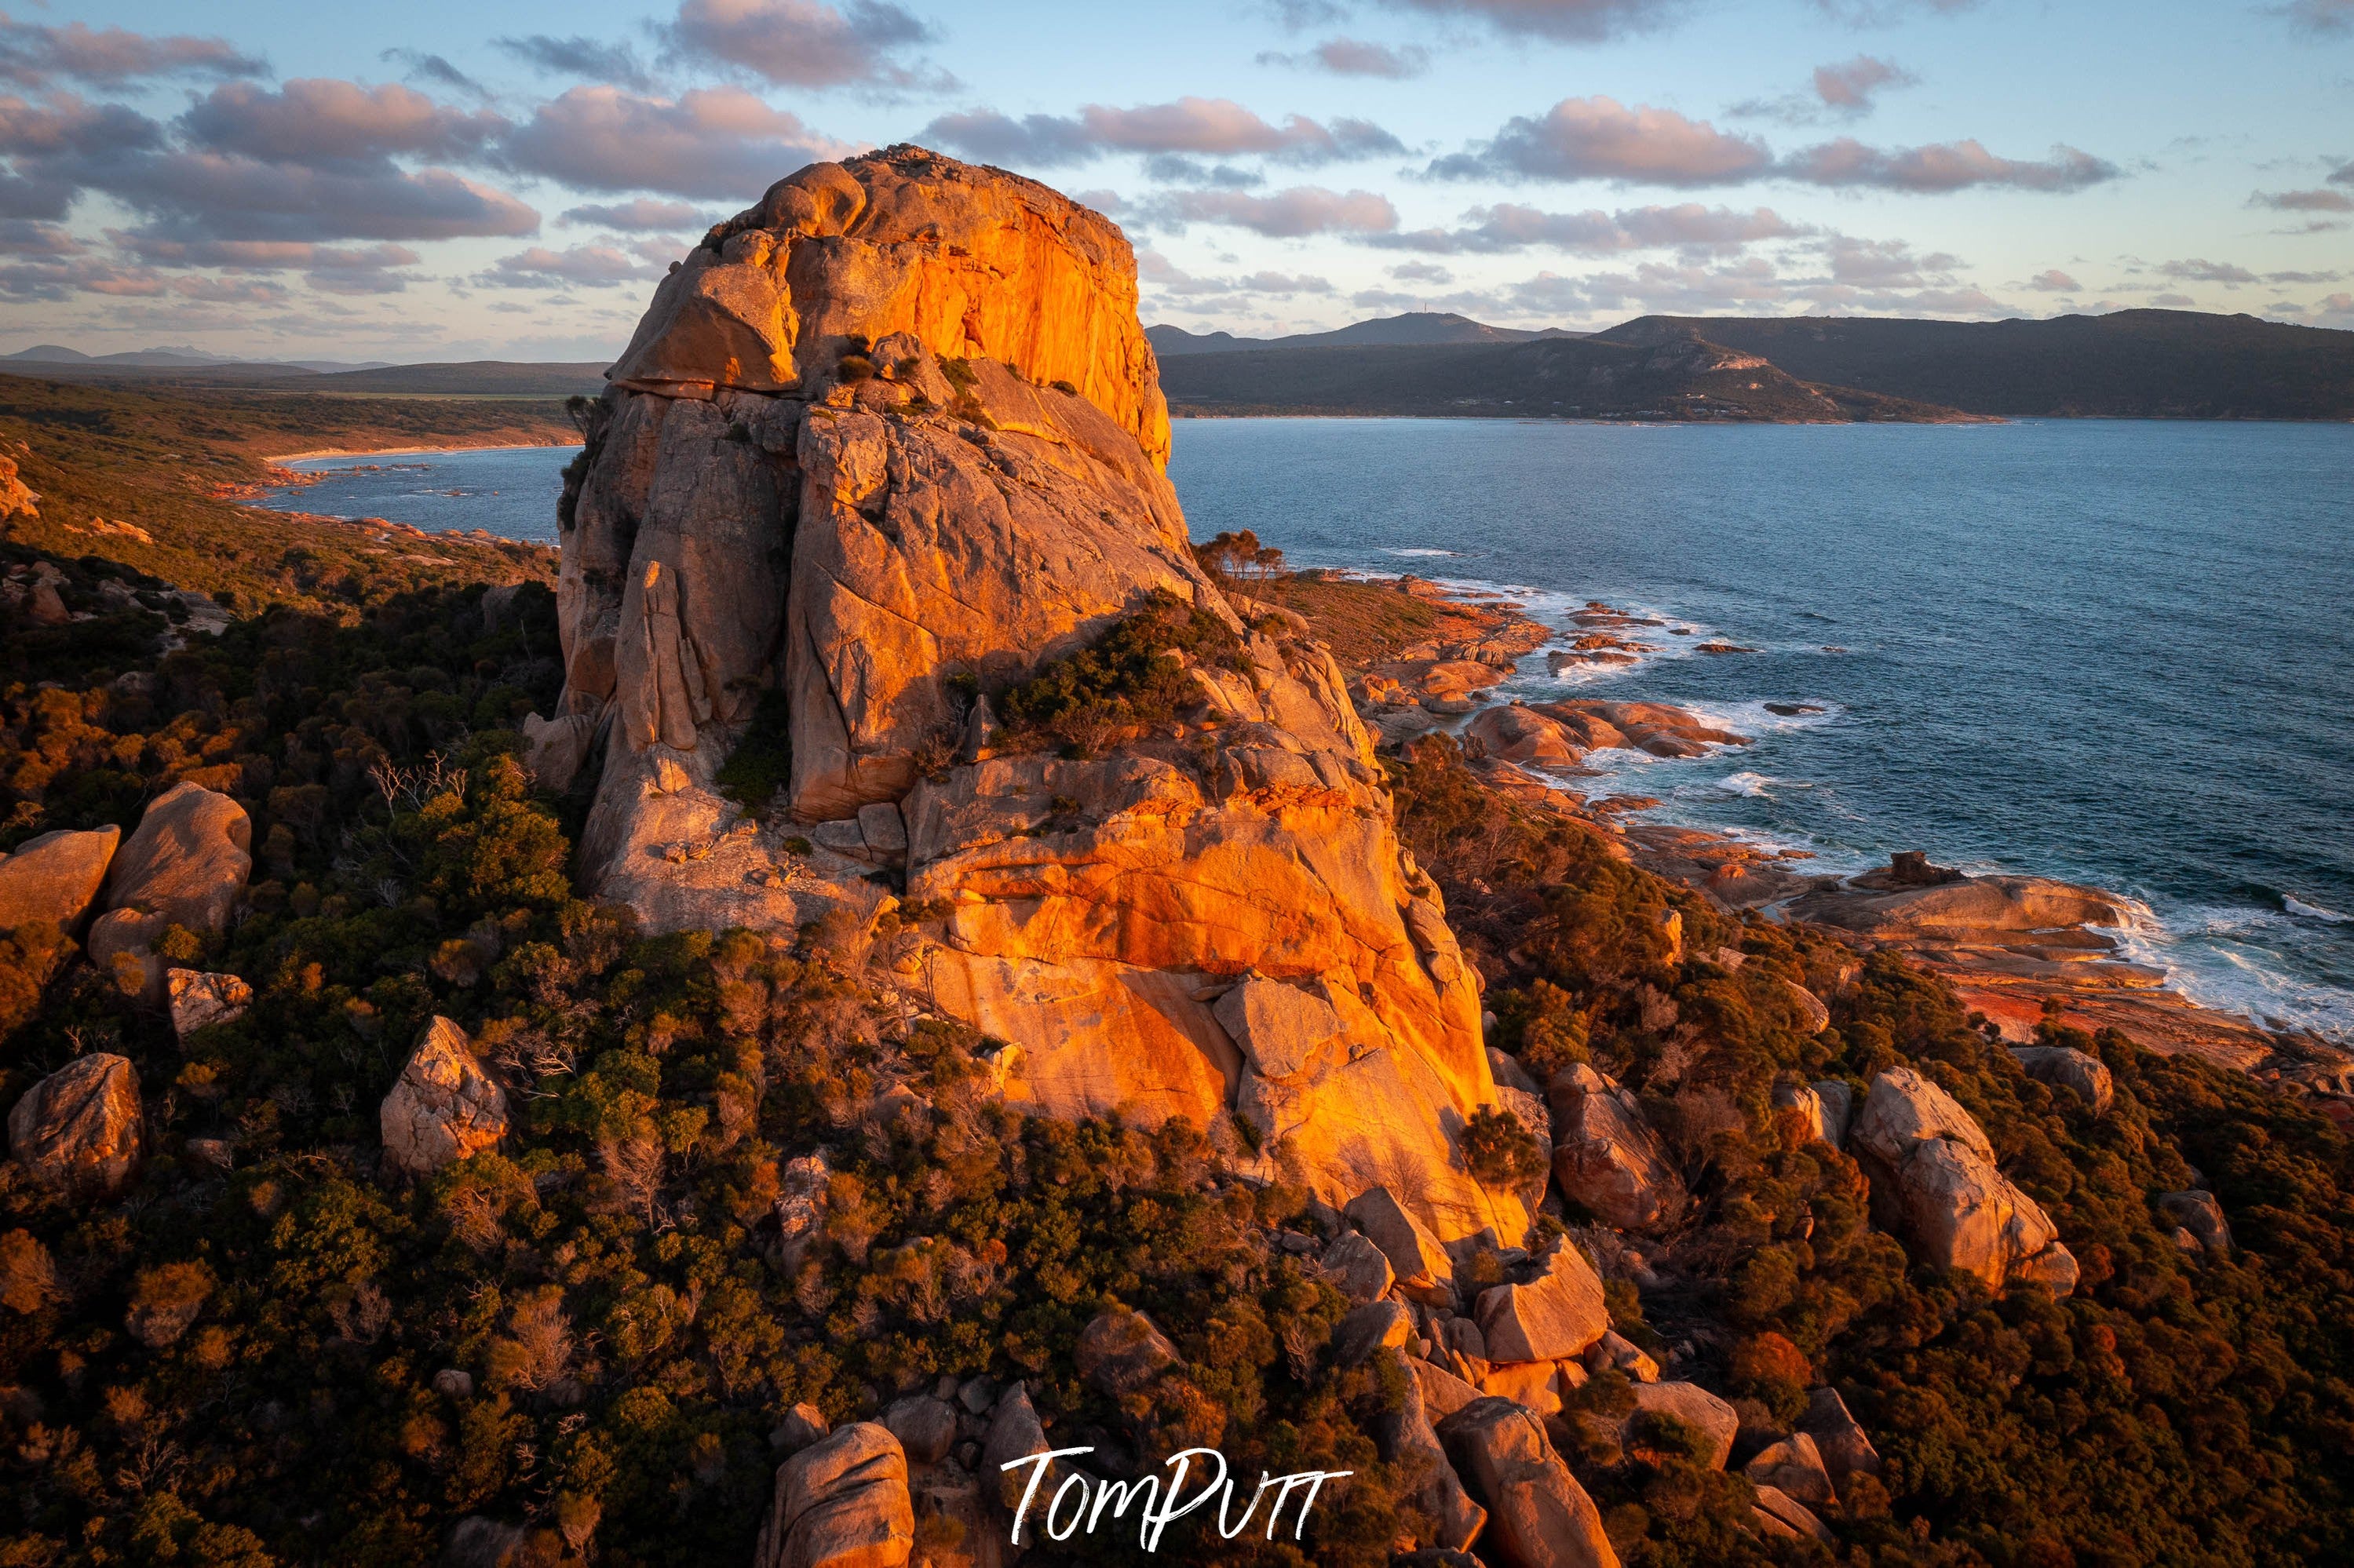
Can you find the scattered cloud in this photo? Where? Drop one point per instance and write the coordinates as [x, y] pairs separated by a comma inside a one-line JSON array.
[[315, 119], [1509, 227], [2054, 282], [434, 68], [717, 142], [1210, 127], [2343, 174], [580, 57], [2330, 17], [1569, 21], [641, 215], [2175, 302], [1846, 91], [1356, 57], [34, 55], [1167, 286], [1887, 13], [798, 43], [2203, 271], [1422, 272], [2304, 201], [593, 266], [1600, 138], [1281, 215], [1943, 167]]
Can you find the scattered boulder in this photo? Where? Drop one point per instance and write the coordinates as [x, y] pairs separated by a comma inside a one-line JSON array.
[[444, 1106], [1905, 1109], [1613, 1351], [54, 878], [555, 748], [1534, 1385], [1421, 1264], [1606, 1157], [1553, 1318], [2065, 1067], [800, 1206], [1840, 1441], [841, 1502], [1014, 1432], [1838, 1110], [1691, 1406], [1443, 1393], [1802, 1107], [2199, 1213], [925, 1428], [1377, 1326], [1121, 1352], [77, 1132], [1962, 1214], [1795, 1466], [1358, 1269], [198, 999], [1538, 1516], [1779, 1513], [801, 1426], [1405, 1434], [187, 860]]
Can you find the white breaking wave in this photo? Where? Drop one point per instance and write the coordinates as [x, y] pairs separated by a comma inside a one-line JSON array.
[[2295, 905]]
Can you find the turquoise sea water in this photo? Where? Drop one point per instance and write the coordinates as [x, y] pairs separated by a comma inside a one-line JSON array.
[[2120, 652]]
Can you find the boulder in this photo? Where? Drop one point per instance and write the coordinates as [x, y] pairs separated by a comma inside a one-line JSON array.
[[1377, 1326], [2200, 1214], [1443, 1393], [1801, 1107], [197, 1000], [1120, 1352], [1970, 911], [1795, 1466], [1534, 1385], [1840, 1442], [1962, 1214], [1838, 1110], [1538, 1516], [1014, 1432], [1358, 1269], [54, 878], [555, 748], [444, 1106], [1606, 1157], [78, 1131], [2065, 1067], [1405, 1436], [187, 860], [801, 1426], [1905, 1109], [1417, 1258], [884, 446], [1519, 734], [925, 1428], [1615, 1352], [841, 1502], [1716, 1422], [1553, 1318], [1779, 1513]]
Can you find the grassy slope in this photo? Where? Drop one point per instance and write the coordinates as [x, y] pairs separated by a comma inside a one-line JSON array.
[[174, 464]]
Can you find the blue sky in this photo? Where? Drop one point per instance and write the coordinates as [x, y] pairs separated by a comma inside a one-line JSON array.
[[437, 180]]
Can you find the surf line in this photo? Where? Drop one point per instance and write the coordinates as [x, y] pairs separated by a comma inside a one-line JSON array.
[[1159, 1510]]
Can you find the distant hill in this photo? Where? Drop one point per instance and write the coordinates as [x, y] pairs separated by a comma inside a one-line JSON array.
[[471, 378], [2132, 363], [1414, 327], [53, 356], [1682, 379]]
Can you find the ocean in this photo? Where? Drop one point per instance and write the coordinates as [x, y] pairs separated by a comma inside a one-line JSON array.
[[2116, 651]]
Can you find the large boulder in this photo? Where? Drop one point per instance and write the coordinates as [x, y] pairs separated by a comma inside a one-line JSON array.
[[1606, 1157], [77, 1132], [841, 1503], [54, 878], [2199, 1213], [1551, 1317], [1407, 1437], [1538, 1516], [185, 864], [1968, 911], [882, 446], [198, 999], [1795, 1466], [1712, 1422], [1418, 1262], [1841, 1441], [444, 1106], [2065, 1067], [1931, 1167]]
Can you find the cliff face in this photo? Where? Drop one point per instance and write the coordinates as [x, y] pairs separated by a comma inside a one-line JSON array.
[[890, 447]]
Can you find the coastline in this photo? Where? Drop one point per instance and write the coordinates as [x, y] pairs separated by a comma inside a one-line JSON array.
[[2085, 971], [280, 458]]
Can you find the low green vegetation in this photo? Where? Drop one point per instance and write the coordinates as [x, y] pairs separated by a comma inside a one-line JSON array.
[[1134, 677]]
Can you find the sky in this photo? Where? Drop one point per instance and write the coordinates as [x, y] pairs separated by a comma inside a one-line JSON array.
[[274, 179]]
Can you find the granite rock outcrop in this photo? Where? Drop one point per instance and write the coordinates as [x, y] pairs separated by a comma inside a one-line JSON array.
[[887, 445]]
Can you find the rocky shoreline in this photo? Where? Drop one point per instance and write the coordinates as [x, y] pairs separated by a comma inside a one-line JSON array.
[[2019, 950]]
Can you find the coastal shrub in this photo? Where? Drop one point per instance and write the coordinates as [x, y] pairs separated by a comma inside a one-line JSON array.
[[1134, 676], [762, 762]]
